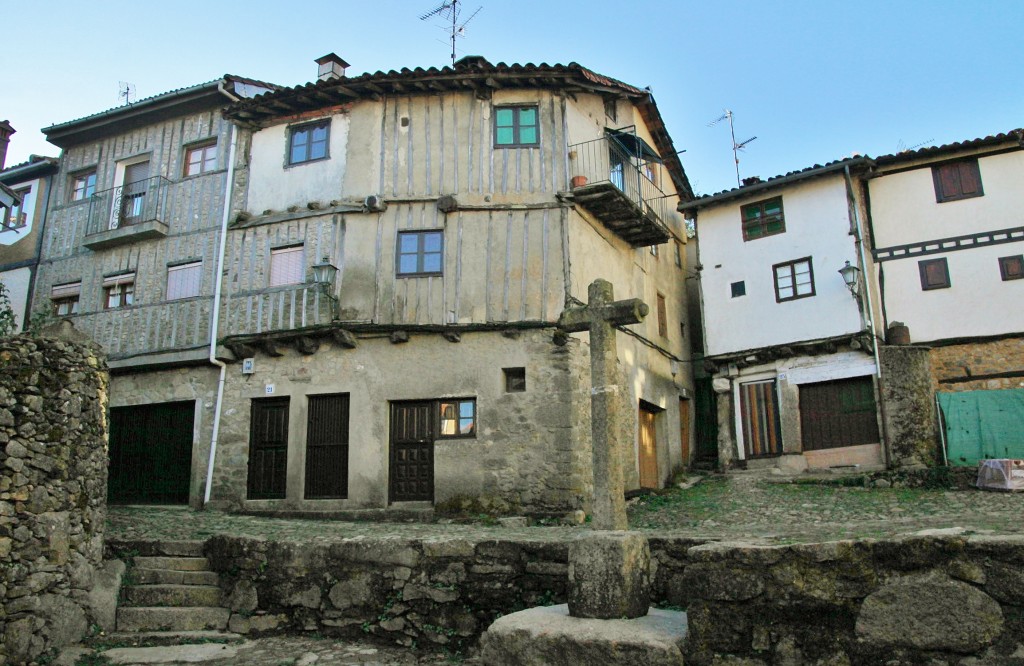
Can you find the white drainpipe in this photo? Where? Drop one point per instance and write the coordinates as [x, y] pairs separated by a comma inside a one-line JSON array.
[[215, 319]]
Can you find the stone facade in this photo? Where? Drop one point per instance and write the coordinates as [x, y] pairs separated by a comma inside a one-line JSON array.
[[979, 366], [908, 406], [53, 401]]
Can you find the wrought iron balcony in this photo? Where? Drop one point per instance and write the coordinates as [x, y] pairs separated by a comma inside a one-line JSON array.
[[608, 180], [128, 213]]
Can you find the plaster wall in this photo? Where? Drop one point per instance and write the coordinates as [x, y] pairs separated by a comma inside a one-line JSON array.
[[17, 283], [818, 225], [531, 448]]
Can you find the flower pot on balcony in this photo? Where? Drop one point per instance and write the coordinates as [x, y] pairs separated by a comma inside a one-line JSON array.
[[578, 181]]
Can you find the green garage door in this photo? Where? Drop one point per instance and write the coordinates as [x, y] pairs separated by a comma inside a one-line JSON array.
[[983, 424]]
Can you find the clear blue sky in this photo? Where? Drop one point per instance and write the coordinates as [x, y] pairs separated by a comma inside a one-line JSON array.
[[814, 81]]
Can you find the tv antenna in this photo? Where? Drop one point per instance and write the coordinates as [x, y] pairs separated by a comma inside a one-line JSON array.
[[736, 147], [452, 11], [127, 91], [903, 147]]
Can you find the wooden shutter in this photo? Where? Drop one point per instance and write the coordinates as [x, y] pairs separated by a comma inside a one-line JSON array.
[[268, 448], [327, 447], [662, 317], [287, 265]]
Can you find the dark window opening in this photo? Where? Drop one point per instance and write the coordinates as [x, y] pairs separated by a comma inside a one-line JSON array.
[[738, 288], [515, 380]]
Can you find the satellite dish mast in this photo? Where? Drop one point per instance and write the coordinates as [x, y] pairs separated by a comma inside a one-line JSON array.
[[451, 11], [126, 91], [736, 147]]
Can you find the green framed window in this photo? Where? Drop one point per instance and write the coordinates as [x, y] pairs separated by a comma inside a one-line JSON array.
[[763, 218], [516, 126]]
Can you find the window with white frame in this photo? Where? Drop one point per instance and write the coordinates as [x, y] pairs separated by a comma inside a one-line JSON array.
[[118, 291], [288, 265], [793, 280], [184, 280]]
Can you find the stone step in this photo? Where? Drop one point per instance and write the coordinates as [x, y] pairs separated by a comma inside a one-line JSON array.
[[180, 548], [171, 618], [173, 563], [142, 576], [172, 637], [171, 595]]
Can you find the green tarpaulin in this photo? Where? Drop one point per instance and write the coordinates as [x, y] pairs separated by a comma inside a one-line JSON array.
[[983, 424]]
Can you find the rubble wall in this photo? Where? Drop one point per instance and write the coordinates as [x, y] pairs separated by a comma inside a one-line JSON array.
[[908, 406], [979, 366], [53, 484]]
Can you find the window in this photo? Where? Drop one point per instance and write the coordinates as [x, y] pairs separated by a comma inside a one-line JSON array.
[[183, 280], [654, 251], [957, 180], [679, 255], [793, 280], [738, 288], [1011, 268], [201, 158], [934, 274], [419, 252], [18, 218], [458, 418], [307, 143], [65, 298], [288, 265], [118, 291], [83, 186], [662, 317], [763, 218], [515, 380], [515, 126]]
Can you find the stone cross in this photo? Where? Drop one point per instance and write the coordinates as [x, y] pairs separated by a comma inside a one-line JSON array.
[[599, 317]]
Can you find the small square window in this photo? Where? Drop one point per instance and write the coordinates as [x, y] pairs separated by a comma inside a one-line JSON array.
[[1011, 268], [307, 143], [934, 274], [83, 185], [515, 380], [64, 298], [288, 265], [516, 126], [419, 253], [763, 218], [793, 280], [957, 180], [738, 288], [458, 418], [201, 158], [183, 280], [118, 291]]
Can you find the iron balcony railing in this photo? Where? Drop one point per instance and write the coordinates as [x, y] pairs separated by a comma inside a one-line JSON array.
[[605, 160], [125, 205]]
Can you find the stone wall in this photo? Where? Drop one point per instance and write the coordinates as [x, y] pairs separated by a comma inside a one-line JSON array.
[[908, 406], [913, 600], [979, 366], [53, 484]]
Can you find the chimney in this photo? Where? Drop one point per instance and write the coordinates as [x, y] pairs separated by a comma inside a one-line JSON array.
[[5, 138], [753, 180], [331, 67]]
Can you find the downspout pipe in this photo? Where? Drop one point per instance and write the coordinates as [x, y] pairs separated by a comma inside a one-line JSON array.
[[215, 317]]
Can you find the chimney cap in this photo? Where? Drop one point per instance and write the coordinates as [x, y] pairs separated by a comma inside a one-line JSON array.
[[331, 57], [6, 129], [331, 67]]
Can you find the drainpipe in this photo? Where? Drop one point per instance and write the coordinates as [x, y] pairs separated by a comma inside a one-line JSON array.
[[870, 314], [215, 318]]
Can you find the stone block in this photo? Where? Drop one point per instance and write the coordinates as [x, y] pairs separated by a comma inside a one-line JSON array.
[[609, 575], [549, 635], [103, 595]]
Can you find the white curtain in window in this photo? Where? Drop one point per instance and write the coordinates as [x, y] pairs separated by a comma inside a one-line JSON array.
[[287, 265], [66, 290], [183, 281]]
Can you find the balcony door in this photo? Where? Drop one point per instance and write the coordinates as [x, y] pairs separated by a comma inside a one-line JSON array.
[[133, 192]]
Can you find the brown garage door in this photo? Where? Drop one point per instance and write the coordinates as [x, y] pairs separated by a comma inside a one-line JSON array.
[[838, 413]]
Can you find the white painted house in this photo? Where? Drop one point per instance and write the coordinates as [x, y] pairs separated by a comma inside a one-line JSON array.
[[789, 345]]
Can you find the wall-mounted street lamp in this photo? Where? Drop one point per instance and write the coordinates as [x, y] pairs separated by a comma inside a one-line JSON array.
[[324, 274], [851, 276]]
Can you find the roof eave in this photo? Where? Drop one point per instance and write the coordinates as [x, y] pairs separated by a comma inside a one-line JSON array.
[[21, 173]]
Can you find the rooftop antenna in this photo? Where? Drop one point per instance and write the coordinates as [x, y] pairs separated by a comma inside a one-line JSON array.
[[902, 147], [127, 91], [451, 11], [736, 147]]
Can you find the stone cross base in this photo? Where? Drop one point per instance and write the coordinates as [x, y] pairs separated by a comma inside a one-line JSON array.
[[609, 576]]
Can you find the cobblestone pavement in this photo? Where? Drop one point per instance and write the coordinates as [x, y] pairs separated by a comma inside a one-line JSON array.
[[733, 507]]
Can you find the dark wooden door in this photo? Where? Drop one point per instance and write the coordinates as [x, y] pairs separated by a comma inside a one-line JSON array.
[[648, 449], [762, 434], [684, 431], [705, 422], [151, 453], [412, 451], [838, 413], [268, 448], [327, 447]]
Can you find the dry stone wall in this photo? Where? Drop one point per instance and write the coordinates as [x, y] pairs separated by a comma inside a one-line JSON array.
[[979, 366], [937, 600], [908, 406], [53, 457]]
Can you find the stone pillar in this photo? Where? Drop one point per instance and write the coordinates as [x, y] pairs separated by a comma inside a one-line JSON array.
[[723, 407], [908, 406], [609, 576]]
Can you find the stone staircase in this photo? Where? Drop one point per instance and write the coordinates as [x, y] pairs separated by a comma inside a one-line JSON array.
[[174, 592]]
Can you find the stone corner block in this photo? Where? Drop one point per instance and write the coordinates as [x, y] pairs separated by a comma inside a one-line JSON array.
[[609, 576]]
